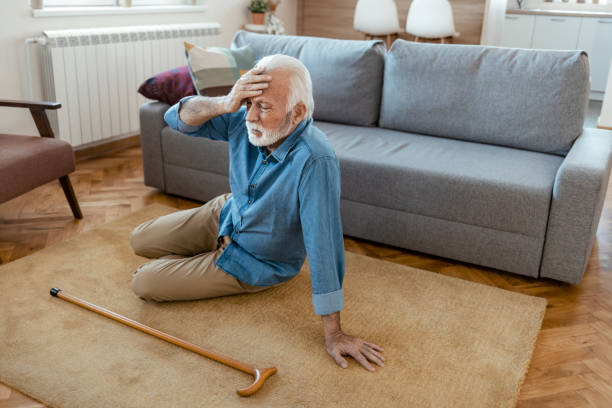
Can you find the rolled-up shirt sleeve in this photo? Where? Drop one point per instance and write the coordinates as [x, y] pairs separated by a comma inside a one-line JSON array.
[[319, 195], [217, 128]]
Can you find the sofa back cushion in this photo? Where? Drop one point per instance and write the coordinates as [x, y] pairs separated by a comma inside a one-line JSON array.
[[523, 98], [346, 75]]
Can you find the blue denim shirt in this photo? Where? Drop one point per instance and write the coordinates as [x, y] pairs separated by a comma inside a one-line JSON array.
[[284, 206]]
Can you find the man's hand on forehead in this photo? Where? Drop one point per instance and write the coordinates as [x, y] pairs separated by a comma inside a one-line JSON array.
[[250, 85], [256, 74]]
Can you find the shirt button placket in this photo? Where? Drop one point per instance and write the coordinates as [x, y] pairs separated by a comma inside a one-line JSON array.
[[251, 193], [252, 186]]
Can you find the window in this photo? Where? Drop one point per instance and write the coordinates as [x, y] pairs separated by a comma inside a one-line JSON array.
[[79, 3], [59, 8], [98, 3], [159, 2]]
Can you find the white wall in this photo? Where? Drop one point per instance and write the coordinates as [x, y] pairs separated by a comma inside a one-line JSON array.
[[17, 24]]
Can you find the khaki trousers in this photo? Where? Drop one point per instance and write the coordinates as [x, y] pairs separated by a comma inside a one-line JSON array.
[[186, 247]]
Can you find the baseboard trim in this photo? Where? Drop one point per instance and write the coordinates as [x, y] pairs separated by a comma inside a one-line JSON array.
[[106, 148]]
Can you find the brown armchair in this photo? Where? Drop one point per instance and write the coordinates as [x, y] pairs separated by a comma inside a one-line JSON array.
[[27, 162]]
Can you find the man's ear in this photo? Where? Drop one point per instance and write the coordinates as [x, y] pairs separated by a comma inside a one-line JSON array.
[[299, 112]]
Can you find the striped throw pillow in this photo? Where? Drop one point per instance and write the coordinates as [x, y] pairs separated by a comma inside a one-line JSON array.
[[214, 70]]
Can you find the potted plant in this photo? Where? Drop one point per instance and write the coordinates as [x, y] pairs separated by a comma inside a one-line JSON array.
[[258, 10]]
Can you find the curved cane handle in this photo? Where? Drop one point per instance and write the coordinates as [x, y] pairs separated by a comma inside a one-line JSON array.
[[260, 378]]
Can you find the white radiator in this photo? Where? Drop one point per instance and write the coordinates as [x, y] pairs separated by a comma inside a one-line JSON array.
[[95, 74]]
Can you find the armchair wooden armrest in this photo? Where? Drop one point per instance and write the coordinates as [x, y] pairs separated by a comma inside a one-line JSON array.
[[37, 109], [29, 104]]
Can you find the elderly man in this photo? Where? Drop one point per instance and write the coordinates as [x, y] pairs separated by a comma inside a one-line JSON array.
[[284, 205]]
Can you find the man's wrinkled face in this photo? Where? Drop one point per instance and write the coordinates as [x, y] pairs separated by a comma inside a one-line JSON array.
[[268, 119]]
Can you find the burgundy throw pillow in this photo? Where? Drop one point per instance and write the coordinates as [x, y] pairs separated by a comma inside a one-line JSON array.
[[168, 86]]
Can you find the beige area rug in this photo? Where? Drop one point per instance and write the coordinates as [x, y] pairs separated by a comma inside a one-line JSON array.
[[448, 342]]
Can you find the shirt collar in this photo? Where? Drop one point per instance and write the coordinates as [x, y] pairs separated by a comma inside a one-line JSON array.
[[281, 151]]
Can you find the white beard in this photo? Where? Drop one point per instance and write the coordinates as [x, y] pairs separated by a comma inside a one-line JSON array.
[[267, 137]]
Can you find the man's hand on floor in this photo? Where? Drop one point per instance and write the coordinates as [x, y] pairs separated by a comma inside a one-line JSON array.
[[340, 344]]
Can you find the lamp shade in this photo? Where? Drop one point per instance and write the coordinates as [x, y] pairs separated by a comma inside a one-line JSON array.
[[431, 19], [376, 17]]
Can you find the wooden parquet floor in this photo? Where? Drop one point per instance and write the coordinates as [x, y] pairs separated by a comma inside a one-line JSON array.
[[572, 361]]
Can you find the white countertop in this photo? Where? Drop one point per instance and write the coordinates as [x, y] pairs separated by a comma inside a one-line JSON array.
[[564, 13]]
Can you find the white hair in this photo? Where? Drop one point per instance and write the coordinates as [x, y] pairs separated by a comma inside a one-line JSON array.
[[300, 84]]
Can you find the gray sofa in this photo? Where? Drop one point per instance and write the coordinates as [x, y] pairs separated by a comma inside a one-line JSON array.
[[467, 152]]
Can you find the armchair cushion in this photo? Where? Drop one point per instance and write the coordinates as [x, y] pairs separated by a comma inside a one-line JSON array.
[[27, 162]]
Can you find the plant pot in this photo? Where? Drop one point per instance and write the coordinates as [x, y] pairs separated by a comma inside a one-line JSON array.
[[258, 18]]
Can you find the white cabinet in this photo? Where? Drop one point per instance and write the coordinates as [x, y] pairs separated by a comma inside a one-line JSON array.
[[556, 33], [596, 39], [518, 30], [592, 34]]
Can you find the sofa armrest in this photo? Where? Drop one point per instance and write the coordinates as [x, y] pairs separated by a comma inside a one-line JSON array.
[[578, 197], [151, 124]]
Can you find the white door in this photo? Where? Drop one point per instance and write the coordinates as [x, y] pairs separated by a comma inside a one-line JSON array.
[[517, 31], [556, 33], [596, 39]]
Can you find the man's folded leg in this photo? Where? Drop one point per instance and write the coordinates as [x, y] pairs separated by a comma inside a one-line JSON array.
[[186, 232], [174, 277]]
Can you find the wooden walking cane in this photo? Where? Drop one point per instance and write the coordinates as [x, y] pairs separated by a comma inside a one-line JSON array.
[[260, 376]]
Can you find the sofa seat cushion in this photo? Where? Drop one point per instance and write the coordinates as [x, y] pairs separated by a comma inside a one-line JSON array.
[[478, 184], [27, 162]]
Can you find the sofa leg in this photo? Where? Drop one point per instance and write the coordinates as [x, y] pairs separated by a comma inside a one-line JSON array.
[[70, 196]]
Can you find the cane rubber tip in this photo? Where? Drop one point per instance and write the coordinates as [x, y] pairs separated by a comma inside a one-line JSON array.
[[55, 291]]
